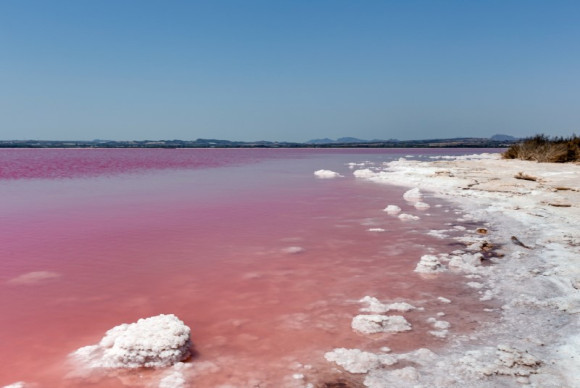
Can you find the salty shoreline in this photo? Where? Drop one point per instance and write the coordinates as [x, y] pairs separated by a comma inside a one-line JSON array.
[[535, 342]]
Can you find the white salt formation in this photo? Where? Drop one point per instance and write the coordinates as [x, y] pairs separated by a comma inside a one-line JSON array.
[[429, 264], [369, 324], [421, 206], [158, 341], [326, 174], [392, 209], [413, 195], [364, 173], [375, 306], [408, 217], [357, 361]]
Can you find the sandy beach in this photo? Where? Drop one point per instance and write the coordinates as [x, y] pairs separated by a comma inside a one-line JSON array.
[[529, 232]]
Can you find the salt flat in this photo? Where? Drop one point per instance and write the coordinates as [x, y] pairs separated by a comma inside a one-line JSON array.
[[533, 226]]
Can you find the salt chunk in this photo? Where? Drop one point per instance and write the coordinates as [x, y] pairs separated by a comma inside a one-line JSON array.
[[158, 341], [413, 195], [429, 264], [370, 324], [407, 217], [357, 361], [421, 206], [326, 174], [392, 209]]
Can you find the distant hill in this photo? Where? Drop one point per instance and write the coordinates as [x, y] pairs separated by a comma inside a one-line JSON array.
[[500, 137], [348, 140]]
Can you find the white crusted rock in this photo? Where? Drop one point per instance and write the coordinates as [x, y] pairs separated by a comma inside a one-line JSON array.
[[369, 324], [392, 209], [413, 195], [357, 361], [158, 341], [429, 264], [326, 174]]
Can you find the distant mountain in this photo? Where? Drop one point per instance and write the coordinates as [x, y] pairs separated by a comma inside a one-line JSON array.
[[321, 141], [500, 137]]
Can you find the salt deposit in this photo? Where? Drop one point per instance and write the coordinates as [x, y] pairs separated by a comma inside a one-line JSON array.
[[421, 206], [429, 264], [158, 341], [408, 217], [375, 306], [413, 195], [369, 324], [392, 209], [357, 361], [364, 173], [326, 174], [534, 276]]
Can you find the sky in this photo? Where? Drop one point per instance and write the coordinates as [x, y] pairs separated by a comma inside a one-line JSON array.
[[288, 70]]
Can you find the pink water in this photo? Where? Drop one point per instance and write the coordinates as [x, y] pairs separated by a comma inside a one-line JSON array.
[[126, 234]]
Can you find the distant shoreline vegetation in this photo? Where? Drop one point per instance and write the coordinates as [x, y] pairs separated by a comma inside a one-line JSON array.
[[497, 141], [544, 149]]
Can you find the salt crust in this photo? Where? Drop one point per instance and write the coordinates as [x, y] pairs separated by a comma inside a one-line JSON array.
[[392, 209], [373, 323], [357, 361], [429, 264], [158, 341], [413, 195], [539, 286], [408, 217], [326, 174], [421, 206], [375, 306]]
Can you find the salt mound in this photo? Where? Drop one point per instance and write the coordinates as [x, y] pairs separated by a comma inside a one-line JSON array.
[[408, 217], [421, 206], [429, 264], [370, 324], [392, 209], [158, 341], [364, 173], [357, 361], [413, 195], [326, 174], [375, 306]]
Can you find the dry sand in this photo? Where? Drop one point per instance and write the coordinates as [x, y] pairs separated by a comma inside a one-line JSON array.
[[536, 283]]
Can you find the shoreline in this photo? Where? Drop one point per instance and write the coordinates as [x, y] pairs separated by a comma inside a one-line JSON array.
[[535, 342]]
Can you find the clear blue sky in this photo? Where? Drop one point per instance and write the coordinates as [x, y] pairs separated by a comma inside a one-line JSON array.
[[288, 70]]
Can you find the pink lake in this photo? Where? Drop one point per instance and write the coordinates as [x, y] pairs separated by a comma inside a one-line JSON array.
[[111, 236]]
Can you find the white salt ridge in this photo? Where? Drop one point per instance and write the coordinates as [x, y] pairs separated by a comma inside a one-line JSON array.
[[370, 324], [413, 195], [429, 264], [326, 174], [421, 206], [392, 209], [357, 361], [375, 306], [18, 384], [376, 230], [158, 341], [364, 173], [407, 217]]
